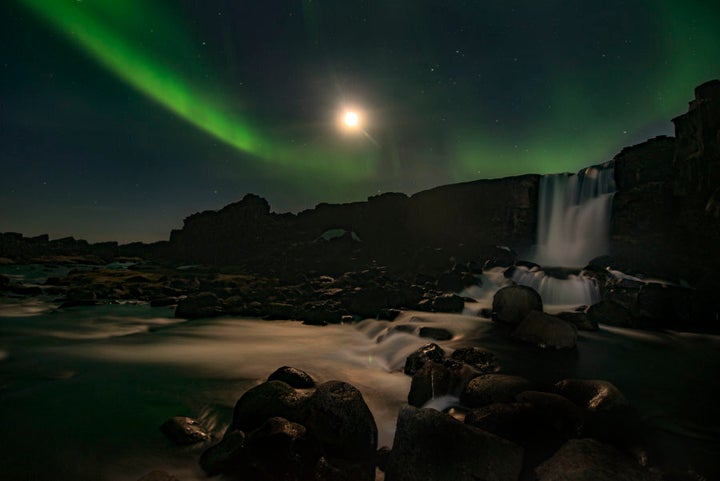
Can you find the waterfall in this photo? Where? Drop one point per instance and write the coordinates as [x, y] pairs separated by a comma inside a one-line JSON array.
[[574, 216], [573, 228]]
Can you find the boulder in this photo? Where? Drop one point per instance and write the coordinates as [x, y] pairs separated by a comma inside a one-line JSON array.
[[368, 301], [609, 416], [436, 379], [501, 257], [388, 314], [292, 377], [269, 399], [448, 303], [483, 361], [545, 331], [450, 282], [281, 450], [580, 320], [416, 360], [556, 412], [339, 418], [335, 469], [613, 314], [158, 476], [183, 431], [516, 421], [493, 388], [436, 333], [430, 445], [594, 395], [226, 456], [203, 304], [163, 301], [512, 304], [590, 460]]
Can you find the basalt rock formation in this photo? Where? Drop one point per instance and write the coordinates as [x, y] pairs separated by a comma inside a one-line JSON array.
[[666, 219], [423, 230]]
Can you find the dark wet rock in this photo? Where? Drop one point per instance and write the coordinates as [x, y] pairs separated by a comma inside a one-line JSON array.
[[381, 458], [339, 418], [4, 281], [664, 305], [335, 469], [78, 303], [485, 312], [448, 303], [24, 290], [279, 311], [580, 320], [400, 328], [422, 279], [590, 460], [501, 257], [424, 305], [388, 314], [320, 313], [436, 379], [611, 313], [556, 411], [416, 360], [609, 417], [430, 445], [292, 377], [493, 388], [516, 421], [512, 303], [436, 333], [367, 302], [183, 430], [450, 282], [594, 395], [163, 301], [158, 476], [546, 331], [483, 361], [281, 450], [269, 399], [204, 304], [225, 456]]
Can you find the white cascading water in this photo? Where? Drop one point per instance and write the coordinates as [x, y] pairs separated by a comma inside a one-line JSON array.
[[573, 228], [574, 216]]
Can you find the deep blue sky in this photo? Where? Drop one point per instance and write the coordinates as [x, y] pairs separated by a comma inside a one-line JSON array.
[[119, 120]]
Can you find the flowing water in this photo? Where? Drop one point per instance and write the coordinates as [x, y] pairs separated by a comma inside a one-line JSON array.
[[83, 390], [574, 216], [573, 228]]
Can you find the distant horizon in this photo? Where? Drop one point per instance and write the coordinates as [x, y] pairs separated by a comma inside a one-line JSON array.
[[297, 211]]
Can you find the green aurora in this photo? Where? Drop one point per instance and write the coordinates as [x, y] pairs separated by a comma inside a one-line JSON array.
[[115, 33], [188, 105]]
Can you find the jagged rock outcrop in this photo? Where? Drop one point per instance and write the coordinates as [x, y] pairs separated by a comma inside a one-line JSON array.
[[664, 221], [459, 221]]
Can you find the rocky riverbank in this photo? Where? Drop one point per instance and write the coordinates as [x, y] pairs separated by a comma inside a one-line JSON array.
[[502, 427]]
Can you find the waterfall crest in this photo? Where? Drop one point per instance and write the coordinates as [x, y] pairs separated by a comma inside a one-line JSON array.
[[573, 227], [574, 216]]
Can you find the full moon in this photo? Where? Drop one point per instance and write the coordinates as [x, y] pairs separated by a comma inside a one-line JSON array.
[[351, 119]]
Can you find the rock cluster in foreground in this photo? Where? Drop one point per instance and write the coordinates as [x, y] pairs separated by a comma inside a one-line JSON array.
[[505, 428]]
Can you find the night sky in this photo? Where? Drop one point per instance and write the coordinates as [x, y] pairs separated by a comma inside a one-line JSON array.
[[118, 118]]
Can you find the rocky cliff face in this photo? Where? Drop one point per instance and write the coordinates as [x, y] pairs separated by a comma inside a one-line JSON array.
[[394, 229], [666, 216]]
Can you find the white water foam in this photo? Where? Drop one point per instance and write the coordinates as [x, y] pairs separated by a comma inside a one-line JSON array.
[[574, 217]]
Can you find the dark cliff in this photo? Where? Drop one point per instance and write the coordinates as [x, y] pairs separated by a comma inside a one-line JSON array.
[[666, 213], [394, 229]]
